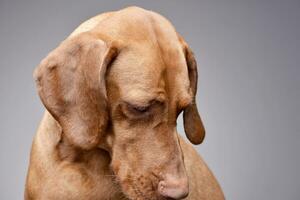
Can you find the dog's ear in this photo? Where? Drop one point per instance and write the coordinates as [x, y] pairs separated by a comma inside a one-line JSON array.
[[71, 85], [193, 125]]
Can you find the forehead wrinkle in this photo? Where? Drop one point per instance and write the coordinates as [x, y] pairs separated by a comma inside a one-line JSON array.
[[138, 62], [140, 83], [172, 56], [140, 80]]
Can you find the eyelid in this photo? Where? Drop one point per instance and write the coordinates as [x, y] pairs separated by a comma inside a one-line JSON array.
[[144, 106], [133, 112], [137, 107], [142, 110]]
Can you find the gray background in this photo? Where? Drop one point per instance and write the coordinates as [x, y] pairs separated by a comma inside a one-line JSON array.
[[249, 90]]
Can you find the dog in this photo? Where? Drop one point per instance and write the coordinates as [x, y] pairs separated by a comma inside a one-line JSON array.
[[112, 92]]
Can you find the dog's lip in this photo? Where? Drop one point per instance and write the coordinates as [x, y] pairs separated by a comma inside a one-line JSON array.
[[139, 192]]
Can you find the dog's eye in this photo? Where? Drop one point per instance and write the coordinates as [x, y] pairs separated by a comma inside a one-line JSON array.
[[139, 109], [133, 110]]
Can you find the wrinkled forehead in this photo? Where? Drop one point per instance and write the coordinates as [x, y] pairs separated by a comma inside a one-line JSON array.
[[148, 72]]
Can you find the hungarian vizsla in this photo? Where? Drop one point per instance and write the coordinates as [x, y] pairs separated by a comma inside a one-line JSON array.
[[112, 92]]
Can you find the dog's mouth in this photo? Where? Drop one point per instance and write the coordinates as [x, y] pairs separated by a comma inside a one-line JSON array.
[[136, 192], [140, 194], [141, 188]]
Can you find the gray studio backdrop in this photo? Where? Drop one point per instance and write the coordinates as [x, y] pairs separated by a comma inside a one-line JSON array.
[[249, 88]]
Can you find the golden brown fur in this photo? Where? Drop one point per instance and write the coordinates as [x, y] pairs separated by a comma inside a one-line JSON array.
[[113, 91]]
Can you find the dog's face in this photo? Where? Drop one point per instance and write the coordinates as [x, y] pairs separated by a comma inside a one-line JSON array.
[[127, 102], [145, 100]]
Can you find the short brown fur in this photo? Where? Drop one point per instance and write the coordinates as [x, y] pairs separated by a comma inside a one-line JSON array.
[[113, 90]]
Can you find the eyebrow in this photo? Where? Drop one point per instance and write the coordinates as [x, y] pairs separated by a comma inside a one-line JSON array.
[[183, 102], [144, 100]]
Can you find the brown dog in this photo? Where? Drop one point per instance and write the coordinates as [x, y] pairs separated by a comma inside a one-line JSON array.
[[113, 91]]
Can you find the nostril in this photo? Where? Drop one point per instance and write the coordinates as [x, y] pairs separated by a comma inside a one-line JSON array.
[[178, 189]]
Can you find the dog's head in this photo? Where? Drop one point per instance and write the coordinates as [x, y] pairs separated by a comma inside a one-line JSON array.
[[126, 100]]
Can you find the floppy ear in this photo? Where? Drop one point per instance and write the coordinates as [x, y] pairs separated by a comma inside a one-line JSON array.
[[193, 125], [71, 85]]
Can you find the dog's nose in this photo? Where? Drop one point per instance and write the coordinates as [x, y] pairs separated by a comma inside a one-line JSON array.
[[174, 188]]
